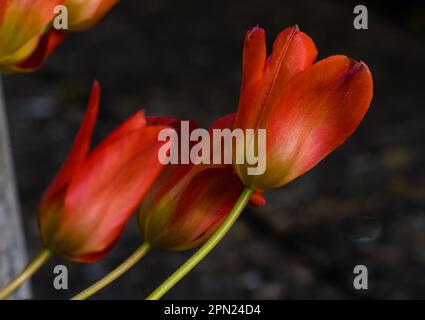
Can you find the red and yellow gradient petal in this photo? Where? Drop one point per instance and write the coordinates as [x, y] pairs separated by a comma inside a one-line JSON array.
[[21, 27], [201, 208], [47, 44]]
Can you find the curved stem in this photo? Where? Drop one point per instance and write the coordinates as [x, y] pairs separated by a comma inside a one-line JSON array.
[[206, 248], [115, 274], [35, 264]]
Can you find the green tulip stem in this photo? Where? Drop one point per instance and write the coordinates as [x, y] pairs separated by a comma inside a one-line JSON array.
[[39, 260], [116, 273], [206, 248]]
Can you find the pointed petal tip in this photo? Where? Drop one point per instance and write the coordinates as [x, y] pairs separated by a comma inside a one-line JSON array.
[[254, 31], [357, 66], [254, 28], [348, 67], [94, 98], [96, 88], [141, 112], [141, 115], [79, 148], [352, 64], [364, 65], [134, 122]]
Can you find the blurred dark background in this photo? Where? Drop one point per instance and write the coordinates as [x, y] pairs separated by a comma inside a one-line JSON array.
[[365, 204]]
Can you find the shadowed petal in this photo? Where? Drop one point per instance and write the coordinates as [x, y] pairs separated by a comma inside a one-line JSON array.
[[21, 26], [48, 43], [206, 201]]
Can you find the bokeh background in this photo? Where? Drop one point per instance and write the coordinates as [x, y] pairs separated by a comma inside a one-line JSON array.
[[365, 204]]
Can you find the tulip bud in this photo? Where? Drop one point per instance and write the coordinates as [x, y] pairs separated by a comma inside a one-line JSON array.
[[307, 109], [25, 43], [87, 205], [185, 214], [83, 14], [189, 202]]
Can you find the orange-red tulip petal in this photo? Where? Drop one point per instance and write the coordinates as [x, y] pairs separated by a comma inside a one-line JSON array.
[[318, 110], [262, 80], [196, 212]]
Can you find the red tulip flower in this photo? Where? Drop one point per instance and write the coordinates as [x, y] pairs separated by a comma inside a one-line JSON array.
[[187, 209], [87, 205], [25, 38], [189, 202], [307, 109]]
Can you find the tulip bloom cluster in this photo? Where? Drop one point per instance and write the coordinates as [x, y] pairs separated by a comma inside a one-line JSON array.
[[27, 37], [307, 109]]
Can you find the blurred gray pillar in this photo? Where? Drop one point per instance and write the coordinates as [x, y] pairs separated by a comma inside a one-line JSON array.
[[12, 246]]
